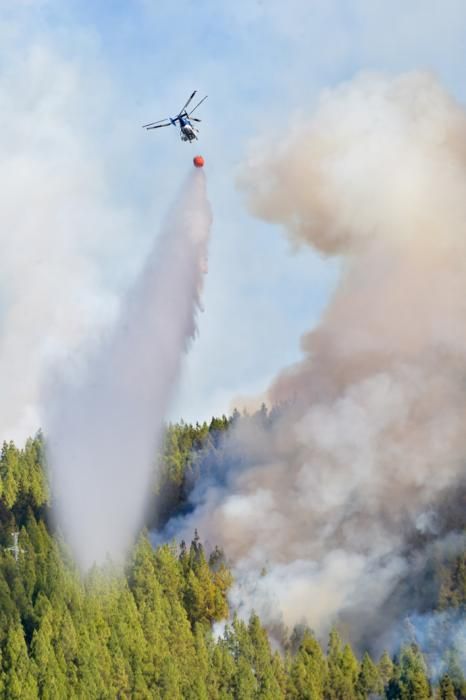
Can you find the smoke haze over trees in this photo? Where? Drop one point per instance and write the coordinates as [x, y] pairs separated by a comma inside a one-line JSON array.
[[151, 631]]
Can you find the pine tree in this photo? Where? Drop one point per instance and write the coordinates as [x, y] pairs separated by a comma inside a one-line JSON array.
[[170, 681], [120, 676], [67, 647], [244, 681], [279, 672], [455, 672], [342, 670], [223, 664], [200, 673], [385, 667], [369, 682], [19, 672], [181, 643], [9, 474], [446, 689], [50, 678], [267, 685], [308, 670], [413, 682], [168, 570]]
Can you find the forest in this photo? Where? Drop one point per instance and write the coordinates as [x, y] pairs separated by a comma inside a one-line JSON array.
[[149, 631]]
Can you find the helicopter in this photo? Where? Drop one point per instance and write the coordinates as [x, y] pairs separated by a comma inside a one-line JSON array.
[[183, 119]]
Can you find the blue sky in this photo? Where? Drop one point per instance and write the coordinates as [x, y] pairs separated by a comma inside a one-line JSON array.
[[78, 78]]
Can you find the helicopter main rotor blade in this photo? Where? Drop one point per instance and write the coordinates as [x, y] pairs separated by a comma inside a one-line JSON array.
[[199, 103], [144, 126], [194, 119], [160, 126], [187, 103]]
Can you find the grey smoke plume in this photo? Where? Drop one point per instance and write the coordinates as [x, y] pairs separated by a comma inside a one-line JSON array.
[[104, 416], [370, 434], [442, 637]]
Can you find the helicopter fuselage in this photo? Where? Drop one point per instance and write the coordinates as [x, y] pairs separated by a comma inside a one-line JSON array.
[[187, 131]]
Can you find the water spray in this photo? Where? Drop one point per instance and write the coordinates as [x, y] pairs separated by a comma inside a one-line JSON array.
[[104, 424]]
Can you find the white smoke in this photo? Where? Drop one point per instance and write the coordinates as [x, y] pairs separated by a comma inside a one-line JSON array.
[[371, 428], [104, 414], [61, 226]]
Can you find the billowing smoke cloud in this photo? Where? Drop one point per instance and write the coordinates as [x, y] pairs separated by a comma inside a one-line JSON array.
[[61, 227], [104, 415], [315, 509]]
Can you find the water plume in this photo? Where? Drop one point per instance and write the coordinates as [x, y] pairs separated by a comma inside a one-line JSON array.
[[370, 434], [104, 415]]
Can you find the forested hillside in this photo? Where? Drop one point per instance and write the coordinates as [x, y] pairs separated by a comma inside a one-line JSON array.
[[147, 632]]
